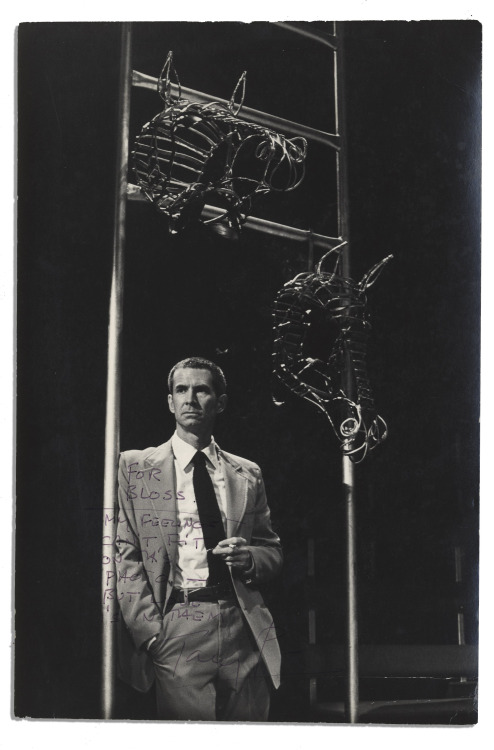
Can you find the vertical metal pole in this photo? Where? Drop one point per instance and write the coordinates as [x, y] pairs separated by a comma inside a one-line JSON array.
[[112, 429], [352, 623], [348, 469]]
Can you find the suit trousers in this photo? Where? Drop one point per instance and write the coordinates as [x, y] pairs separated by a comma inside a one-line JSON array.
[[207, 665]]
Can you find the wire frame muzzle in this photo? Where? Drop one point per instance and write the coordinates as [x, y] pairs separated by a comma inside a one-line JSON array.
[[320, 329]]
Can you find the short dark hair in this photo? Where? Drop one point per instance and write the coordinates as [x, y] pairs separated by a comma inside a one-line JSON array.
[[198, 363]]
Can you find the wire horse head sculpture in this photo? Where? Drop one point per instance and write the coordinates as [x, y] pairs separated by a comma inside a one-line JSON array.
[[192, 153], [321, 329]]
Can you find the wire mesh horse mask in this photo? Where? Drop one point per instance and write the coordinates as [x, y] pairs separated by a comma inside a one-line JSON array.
[[321, 329], [192, 153]]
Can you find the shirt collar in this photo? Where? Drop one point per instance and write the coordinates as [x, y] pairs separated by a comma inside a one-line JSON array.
[[184, 453]]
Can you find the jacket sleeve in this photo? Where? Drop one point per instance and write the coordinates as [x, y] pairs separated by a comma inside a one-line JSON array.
[[140, 611], [264, 545]]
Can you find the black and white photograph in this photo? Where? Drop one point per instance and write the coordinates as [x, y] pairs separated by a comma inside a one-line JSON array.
[[247, 443]]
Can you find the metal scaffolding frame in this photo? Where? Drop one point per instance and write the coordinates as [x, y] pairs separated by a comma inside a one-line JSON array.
[[125, 191]]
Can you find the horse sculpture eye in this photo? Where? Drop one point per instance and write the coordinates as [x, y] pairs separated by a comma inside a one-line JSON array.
[[321, 328], [192, 153]]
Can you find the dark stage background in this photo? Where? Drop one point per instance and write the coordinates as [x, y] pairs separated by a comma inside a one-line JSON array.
[[413, 106]]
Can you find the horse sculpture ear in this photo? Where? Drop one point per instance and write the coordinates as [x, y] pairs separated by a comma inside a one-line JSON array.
[[371, 276], [338, 252], [233, 106]]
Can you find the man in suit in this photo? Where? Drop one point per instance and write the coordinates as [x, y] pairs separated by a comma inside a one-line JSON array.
[[195, 544]]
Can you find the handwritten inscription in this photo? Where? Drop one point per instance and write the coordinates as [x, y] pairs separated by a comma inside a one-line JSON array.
[[146, 494], [152, 520], [147, 475], [149, 549]]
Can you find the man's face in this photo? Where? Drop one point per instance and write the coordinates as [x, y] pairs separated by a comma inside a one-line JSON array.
[[194, 402]]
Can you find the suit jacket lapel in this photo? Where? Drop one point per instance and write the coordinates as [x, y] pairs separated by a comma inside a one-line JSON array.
[[162, 459], [236, 486]]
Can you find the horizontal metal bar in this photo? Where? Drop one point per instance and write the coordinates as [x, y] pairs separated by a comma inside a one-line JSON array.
[[256, 224], [391, 660], [141, 80]]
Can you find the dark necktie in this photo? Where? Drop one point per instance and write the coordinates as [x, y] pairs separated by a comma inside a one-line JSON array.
[[209, 516]]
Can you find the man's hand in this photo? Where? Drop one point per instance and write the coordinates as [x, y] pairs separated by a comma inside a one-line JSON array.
[[235, 553]]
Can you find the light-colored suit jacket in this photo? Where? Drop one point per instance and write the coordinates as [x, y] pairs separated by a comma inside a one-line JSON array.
[[146, 553]]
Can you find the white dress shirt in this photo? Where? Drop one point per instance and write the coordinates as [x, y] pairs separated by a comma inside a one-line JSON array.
[[192, 566]]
